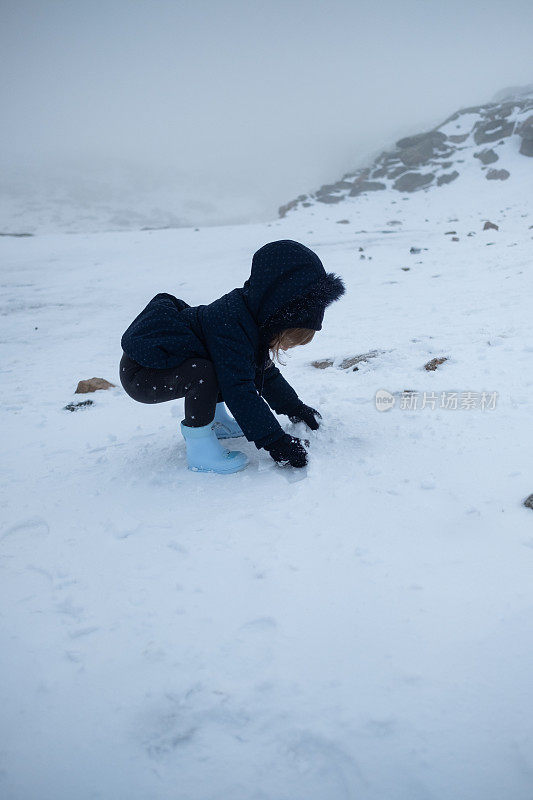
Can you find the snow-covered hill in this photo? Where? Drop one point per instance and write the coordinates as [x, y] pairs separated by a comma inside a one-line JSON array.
[[360, 629], [481, 140]]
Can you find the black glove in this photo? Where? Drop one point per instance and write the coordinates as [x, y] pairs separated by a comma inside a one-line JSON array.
[[306, 414], [289, 450]]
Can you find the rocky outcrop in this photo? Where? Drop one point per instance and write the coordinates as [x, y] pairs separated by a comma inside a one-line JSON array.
[[416, 150], [528, 502], [432, 365], [492, 130], [411, 181], [526, 133], [438, 157], [497, 175], [487, 156], [447, 177], [293, 204], [366, 186]]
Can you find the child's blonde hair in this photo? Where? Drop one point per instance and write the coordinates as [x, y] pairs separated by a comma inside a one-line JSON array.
[[290, 337]]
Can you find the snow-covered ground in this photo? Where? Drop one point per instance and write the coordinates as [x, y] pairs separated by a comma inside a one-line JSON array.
[[358, 630]]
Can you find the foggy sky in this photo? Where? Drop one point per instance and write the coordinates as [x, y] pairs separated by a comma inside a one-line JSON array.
[[263, 99]]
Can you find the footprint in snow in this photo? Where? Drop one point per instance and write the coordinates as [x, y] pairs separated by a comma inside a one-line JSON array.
[[260, 624], [83, 632], [33, 527]]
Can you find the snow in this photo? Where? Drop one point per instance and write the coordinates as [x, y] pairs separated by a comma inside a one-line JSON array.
[[357, 629], [461, 125]]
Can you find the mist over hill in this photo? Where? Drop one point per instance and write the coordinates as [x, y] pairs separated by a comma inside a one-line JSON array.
[[111, 194]]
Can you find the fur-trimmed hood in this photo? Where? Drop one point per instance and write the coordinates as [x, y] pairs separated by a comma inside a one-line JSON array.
[[289, 287]]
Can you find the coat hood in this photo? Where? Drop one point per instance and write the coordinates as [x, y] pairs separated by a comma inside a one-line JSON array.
[[289, 288]]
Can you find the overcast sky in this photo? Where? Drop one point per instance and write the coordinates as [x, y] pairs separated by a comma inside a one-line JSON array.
[[267, 99]]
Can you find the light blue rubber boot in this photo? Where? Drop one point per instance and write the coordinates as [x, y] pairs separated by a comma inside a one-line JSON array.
[[206, 454], [224, 425]]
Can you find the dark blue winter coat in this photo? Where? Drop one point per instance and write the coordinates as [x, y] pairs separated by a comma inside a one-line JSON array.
[[288, 288]]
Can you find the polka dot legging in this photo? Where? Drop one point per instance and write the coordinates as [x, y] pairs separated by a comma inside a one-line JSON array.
[[195, 380]]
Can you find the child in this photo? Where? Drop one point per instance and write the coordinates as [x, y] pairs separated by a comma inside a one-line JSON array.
[[219, 353]]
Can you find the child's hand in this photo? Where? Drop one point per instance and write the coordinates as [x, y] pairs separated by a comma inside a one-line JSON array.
[[306, 414], [289, 450]]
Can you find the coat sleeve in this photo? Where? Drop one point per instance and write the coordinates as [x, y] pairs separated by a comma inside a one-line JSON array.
[[278, 393], [233, 359]]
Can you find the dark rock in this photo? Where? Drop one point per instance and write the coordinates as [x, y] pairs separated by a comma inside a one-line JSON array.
[[329, 188], [492, 130], [447, 177], [497, 175], [75, 406], [282, 210], [366, 186], [526, 132], [92, 385], [528, 502], [412, 181], [435, 137], [502, 110], [432, 365], [416, 150], [486, 156], [526, 128], [488, 226], [406, 269], [418, 154], [450, 233], [332, 198], [343, 222], [459, 139], [455, 238]]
